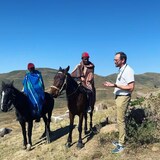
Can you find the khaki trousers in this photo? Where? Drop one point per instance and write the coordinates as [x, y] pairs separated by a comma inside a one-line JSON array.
[[122, 103]]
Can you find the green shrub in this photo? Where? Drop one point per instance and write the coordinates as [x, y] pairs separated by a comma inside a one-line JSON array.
[[142, 133], [138, 101]]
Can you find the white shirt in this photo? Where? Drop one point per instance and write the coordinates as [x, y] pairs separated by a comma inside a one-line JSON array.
[[124, 77]]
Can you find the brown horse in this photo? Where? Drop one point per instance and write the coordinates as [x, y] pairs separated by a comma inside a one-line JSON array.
[[77, 102]]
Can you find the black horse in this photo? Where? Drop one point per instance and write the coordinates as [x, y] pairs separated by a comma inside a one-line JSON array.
[[77, 102], [10, 95]]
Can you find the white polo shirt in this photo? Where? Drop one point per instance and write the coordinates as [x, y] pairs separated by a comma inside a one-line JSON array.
[[124, 77]]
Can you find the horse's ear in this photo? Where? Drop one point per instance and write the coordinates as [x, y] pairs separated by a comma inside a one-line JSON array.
[[3, 84], [12, 82], [67, 69], [60, 68]]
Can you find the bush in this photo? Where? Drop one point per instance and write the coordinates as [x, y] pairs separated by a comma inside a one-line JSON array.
[[141, 131], [138, 101], [142, 124]]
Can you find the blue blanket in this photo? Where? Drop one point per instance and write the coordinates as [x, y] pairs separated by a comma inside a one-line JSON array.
[[34, 89]]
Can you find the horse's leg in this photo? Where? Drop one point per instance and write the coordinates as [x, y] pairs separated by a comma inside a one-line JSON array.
[[23, 127], [91, 124], [47, 128], [80, 144], [85, 124], [69, 140], [30, 126], [49, 120]]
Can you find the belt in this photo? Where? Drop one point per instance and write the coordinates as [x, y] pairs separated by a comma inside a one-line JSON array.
[[122, 95]]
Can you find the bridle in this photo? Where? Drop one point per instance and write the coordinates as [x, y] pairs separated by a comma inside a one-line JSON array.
[[9, 101], [62, 87]]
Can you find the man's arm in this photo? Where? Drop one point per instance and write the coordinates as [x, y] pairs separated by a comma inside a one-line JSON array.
[[129, 87]]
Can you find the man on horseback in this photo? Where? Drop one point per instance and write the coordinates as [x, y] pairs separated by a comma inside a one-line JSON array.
[[34, 89], [84, 74]]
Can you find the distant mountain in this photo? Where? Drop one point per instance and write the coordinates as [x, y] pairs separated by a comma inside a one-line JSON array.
[[145, 83]]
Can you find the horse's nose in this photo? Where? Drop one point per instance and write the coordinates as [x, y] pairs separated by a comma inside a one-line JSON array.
[[55, 96], [53, 92], [3, 107]]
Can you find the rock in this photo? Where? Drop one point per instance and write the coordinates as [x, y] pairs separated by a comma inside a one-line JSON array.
[[100, 106], [156, 147], [112, 119], [59, 118], [109, 128], [4, 131]]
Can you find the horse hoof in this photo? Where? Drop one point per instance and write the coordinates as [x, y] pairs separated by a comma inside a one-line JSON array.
[[24, 147], [28, 147], [80, 145], [86, 132], [48, 141], [68, 145]]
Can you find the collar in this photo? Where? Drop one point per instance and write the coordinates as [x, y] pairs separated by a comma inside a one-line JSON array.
[[123, 67]]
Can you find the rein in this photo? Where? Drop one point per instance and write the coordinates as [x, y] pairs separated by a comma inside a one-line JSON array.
[[73, 91]]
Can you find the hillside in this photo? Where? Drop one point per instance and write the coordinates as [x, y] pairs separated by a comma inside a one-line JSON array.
[[145, 83]]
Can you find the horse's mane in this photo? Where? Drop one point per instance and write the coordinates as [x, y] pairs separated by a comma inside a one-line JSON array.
[[74, 84], [70, 78], [10, 85], [15, 90]]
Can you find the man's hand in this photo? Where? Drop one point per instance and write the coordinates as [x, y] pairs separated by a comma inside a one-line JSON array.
[[109, 84], [82, 79]]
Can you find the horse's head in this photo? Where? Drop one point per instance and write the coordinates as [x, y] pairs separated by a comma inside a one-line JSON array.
[[59, 82], [6, 96]]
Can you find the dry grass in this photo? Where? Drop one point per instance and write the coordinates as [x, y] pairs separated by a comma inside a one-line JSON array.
[[10, 144]]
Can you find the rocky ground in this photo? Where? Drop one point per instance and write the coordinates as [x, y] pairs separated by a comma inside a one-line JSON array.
[[96, 146]]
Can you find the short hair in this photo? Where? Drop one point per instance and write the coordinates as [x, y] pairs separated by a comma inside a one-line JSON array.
[[122, 56]]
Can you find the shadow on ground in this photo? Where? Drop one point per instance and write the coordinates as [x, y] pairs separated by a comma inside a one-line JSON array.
[[54, 135]]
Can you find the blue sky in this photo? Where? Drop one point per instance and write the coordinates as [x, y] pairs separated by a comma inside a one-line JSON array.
[[54, 33]]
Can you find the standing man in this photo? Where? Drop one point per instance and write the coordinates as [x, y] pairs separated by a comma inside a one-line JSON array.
[[33, 87], [123, 88], [84, 74]]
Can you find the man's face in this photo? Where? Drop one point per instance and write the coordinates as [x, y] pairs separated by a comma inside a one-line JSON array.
[[118, 62], [31, 69], [85, 60]]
